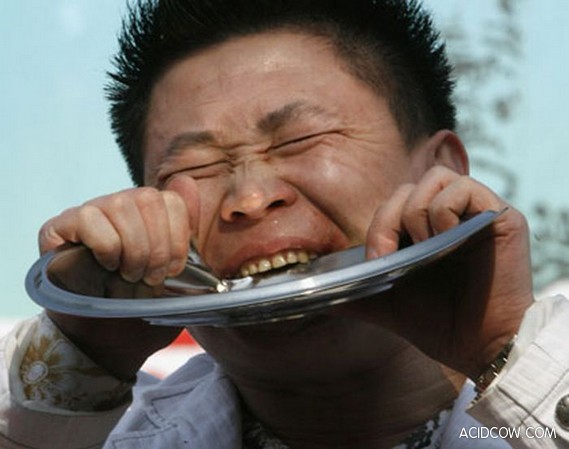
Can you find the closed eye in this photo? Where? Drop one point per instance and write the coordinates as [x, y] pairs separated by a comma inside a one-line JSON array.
[[199, 171], [300, 140], [209, 170]]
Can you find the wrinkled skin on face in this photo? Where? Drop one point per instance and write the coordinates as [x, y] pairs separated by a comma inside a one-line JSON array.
[[288, 151]]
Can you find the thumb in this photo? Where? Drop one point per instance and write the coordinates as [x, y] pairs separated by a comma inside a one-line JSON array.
[[187, 188]]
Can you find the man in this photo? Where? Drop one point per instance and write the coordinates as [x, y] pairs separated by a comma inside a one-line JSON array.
[[264, 131]]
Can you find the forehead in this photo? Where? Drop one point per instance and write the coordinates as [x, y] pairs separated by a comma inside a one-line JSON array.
[[230, 88], [255, 68], [265, 52]]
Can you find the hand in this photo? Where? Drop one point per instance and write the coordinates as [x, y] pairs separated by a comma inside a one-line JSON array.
[[462, 310], [144, 234]]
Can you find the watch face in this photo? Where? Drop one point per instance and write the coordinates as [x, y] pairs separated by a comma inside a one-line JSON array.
[[71, 281]]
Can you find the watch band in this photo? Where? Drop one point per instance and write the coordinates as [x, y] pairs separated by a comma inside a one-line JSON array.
[[494, 368]]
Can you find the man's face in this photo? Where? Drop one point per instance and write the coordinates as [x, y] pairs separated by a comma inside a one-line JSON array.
[[291, 153]]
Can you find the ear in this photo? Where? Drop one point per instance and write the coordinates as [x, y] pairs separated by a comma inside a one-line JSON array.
[[442, 148]]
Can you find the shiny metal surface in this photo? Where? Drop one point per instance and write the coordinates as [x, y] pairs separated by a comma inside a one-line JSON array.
[[71, 281]]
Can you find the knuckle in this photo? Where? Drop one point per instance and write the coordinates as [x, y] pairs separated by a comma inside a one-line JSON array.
[[464, 181], [439, 170], [146, 191], [179, 249], [47, 236], [108, 247], [149, 199], [122, 200], [441, 174], [88, 220], [407, 213], [517, 219], [46, 230], [406, 188], [438, 206], [439, 212], [101, 241], [53, 233], [147, 195], [116, 203], [138, 255], [172, 199], [86, 214], [411, 213], [159, 257]]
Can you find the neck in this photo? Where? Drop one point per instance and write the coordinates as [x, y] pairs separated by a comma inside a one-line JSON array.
[[376, 408]]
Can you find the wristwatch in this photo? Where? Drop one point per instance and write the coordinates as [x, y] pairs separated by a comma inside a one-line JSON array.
[[494, 368]]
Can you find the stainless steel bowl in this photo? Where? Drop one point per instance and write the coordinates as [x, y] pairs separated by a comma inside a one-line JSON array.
[[71, 281]]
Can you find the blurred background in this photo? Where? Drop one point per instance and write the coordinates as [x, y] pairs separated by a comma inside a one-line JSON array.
[[512, 70]]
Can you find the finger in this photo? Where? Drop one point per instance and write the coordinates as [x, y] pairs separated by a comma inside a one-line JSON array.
[[184, 221], [179, 228], [385, 230], [87, 225], [153, 211], [415, 215], [123, 213], [96, 232], [187, 188], [58, 231], [459, 200]]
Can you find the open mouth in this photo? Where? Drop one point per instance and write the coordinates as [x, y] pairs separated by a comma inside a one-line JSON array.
[[276, 261]]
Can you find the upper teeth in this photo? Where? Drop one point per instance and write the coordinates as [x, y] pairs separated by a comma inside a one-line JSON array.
[[278, 260]]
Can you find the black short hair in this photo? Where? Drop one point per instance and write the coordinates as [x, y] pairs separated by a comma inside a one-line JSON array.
[[390, 44]]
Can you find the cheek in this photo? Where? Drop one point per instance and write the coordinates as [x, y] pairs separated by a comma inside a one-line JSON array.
[[338, 186], [211, 192], [348, 186]]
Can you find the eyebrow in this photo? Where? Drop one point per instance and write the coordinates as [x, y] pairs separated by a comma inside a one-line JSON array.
[[188, 139], [271, 122], [290, 112]]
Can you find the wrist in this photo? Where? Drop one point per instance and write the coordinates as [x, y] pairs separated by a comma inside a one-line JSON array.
[[491, 353], [493, 368], [119, 346]]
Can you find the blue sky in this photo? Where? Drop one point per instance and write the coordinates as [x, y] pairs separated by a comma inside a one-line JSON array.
[[58, 150]]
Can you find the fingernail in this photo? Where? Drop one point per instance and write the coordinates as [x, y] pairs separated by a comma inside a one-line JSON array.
[[131, 277], [371, 253], [155, 276], [176, 266]]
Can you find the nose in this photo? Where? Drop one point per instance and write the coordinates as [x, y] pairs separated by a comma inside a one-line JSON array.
[[254, 194]]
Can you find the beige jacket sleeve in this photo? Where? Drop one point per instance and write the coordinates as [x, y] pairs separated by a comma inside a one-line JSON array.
[[527, 393], [51, 395]]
